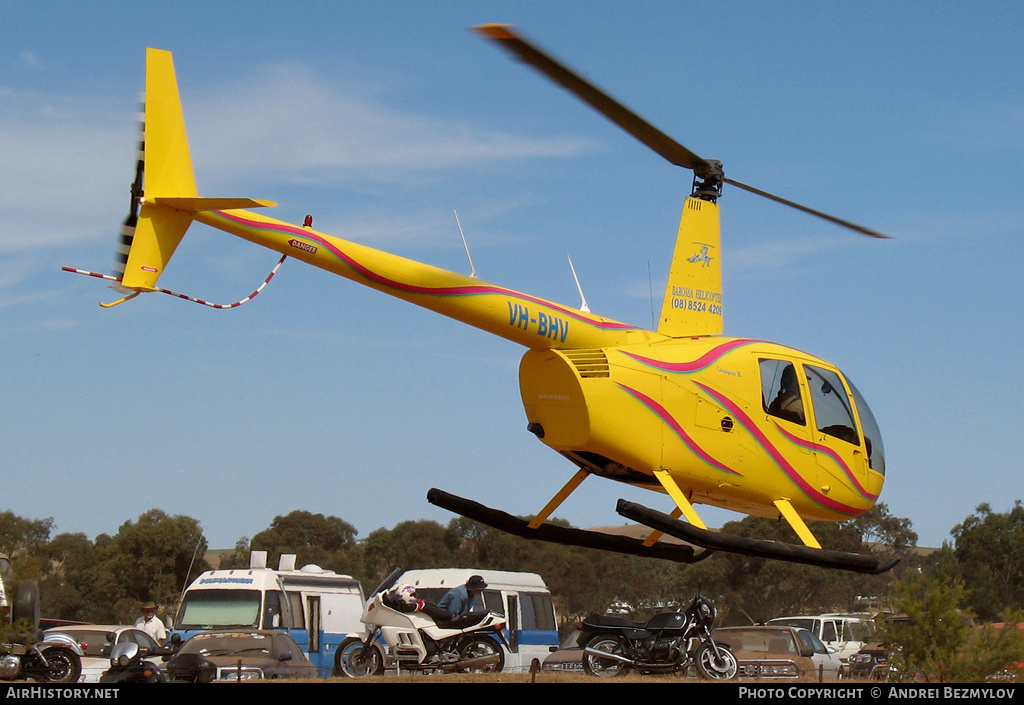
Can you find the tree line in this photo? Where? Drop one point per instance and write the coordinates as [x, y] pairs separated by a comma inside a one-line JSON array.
[[155, 556]]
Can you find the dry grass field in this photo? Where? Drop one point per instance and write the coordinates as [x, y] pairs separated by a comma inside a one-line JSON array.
[[549, 677]]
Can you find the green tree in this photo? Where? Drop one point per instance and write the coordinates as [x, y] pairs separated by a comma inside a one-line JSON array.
[[153, 558], [68, 588], [239, 556], [989, 549], [21, 539], [935, 639], [932, 628], [326, 541], [409, 545]]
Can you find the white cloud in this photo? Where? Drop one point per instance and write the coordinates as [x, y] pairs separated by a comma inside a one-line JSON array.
[[66, 161], [293, 122]]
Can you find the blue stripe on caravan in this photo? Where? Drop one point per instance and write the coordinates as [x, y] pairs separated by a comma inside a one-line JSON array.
[[538, 637]]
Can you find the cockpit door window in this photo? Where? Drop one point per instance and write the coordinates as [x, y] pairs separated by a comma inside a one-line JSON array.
[[833, 414]]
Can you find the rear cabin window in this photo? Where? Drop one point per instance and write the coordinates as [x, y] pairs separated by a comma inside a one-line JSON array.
[[538, 612]]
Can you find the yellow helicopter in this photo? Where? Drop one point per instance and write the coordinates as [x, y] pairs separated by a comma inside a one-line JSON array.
[[737, 423]]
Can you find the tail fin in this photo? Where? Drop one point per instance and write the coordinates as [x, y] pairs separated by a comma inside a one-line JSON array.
[[167, 166], [165, 198], [693, 294]]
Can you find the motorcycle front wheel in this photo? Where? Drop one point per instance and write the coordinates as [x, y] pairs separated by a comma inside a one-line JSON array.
[[721, 667], [482, 647], [356, 660], [603, 666]]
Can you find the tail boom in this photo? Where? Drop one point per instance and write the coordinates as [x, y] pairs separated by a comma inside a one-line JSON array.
[[168, 203], [528, 320]]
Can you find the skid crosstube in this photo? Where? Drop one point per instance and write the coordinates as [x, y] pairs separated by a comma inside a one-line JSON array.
[[712, 541], [559, 534]]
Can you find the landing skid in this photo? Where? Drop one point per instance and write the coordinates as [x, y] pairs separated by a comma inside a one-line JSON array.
[[703, 538], [757, 548], [560, 534]]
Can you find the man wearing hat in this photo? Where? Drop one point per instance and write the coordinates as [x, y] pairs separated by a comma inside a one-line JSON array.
[[459, 600], [151, 624]]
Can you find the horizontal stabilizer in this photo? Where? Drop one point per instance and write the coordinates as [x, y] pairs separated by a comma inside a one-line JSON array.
[[194, 205], [757, 548], [560, 534]]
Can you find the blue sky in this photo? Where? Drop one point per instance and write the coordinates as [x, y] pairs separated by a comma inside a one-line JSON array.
[[380, 120]]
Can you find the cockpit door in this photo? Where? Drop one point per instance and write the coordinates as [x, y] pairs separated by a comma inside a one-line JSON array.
[[839, 444]]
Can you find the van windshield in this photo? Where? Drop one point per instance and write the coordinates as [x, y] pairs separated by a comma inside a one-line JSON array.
[[206, 609], [808, 623]]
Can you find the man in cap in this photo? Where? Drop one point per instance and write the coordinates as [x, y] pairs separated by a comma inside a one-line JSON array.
[[459, 600], [151, 624]]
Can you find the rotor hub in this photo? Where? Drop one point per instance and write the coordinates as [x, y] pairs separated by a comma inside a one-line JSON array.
[[707, 180]]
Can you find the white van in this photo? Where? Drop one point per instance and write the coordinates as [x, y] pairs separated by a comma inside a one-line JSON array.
[[318, 608], [843, 634], [523, 599], [5, 564]]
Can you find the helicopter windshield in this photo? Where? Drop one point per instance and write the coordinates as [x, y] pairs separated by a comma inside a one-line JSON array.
[[872, 434]]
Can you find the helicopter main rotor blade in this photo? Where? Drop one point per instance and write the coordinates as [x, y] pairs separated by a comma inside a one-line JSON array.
[[622, 116], [506, 37], [831, 218]]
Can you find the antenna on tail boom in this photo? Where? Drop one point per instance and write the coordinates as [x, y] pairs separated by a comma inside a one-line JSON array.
[[472, 269], [583, 299]]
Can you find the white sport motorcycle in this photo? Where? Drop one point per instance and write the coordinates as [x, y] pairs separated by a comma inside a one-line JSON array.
[[398, 638]]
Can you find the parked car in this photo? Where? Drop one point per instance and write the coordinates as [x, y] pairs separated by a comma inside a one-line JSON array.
[[568, 656], [773, 652], [239, 654], [872, 662], [843, 633], [874, 658], [97, 640]]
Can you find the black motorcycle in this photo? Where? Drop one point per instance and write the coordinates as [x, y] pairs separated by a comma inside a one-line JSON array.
[[666, 643], [52, 660], [32, 654], [130, 664]]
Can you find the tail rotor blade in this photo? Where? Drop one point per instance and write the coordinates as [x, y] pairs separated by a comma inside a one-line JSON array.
[[128, 228]]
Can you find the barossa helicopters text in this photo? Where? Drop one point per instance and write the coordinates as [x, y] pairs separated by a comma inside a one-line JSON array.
[[737, 423]]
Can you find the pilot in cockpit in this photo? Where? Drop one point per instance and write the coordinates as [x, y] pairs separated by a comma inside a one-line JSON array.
[[788, 404]]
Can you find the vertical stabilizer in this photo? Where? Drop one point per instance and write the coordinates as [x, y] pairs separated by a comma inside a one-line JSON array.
[[168, 174], [693, 294]]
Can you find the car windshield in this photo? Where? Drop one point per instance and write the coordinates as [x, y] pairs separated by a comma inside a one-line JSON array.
[[228, 644], [812, 642], [776, 641], [207, 609], [859, 631]]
